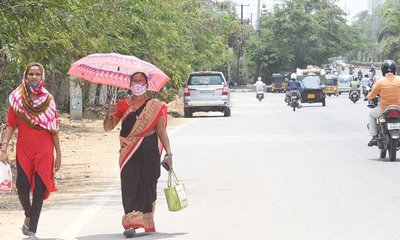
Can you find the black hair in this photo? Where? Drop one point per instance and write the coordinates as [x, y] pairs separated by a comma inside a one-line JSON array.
[[142, 73]]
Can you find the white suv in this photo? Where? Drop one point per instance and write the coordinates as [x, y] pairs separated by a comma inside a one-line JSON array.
[[207, 91]]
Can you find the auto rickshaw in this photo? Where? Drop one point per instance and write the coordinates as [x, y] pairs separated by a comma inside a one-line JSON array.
[[279, 83], [313, 91], [331, 85]]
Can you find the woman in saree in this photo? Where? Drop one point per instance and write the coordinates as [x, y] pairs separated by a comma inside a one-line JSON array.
[[33, 110], [143, 135]]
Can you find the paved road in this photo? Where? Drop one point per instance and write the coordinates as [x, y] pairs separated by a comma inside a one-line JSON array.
[[264, 173]]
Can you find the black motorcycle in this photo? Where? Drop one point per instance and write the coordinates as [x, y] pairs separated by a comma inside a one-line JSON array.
[[366, 90], [294, 99], [260, 96], [354, 95], [388, 130]]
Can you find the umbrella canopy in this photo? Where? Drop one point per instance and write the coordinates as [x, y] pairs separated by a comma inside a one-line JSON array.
[[116, 69]]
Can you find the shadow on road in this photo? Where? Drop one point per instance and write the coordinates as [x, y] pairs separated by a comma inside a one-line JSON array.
[[384, 160], [138, 235]]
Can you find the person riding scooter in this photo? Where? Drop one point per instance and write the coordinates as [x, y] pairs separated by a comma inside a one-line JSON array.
[[259, 88], [388, 89], [354, 87], [366, 84], [293, 85], [359, 74]]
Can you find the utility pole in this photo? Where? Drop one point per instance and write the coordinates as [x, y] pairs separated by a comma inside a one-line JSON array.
[[240, 45], [258, 19], [258, 25]]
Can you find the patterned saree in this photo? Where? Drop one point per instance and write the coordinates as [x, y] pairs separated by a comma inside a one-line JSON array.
[[140, 163]]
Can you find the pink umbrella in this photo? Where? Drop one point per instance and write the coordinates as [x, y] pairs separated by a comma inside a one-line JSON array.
[[115, 70]]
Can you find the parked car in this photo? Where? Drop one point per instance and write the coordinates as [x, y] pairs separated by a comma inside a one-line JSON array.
[[344, 83], [207, 91]]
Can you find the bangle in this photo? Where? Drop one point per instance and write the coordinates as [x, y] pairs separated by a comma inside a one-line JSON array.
[[109, 117], [168, 154]]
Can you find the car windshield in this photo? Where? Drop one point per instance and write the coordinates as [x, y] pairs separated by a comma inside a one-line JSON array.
[[206, 80], [344, 78], [311, 82]]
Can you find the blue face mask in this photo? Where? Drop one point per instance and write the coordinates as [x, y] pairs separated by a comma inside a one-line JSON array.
[[34, 86]]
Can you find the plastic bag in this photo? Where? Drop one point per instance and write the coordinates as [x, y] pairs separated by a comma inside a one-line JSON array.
[[175, 194], [5, 178]]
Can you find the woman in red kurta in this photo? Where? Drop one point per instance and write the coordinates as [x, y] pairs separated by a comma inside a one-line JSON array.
[[32, 109]]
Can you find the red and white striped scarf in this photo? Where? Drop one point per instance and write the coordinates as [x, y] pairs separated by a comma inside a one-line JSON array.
[[40, 113]]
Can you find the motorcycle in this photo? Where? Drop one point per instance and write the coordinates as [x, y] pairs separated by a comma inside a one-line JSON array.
[[260, 95], [354, 95], [388, 130], [294, 100], [366, 90]]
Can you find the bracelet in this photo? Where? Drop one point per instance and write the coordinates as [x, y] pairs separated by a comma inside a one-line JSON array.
[[166, 155]]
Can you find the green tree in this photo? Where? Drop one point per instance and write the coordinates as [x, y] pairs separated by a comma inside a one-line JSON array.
[[389, 36], [178, 36], [298, 33]]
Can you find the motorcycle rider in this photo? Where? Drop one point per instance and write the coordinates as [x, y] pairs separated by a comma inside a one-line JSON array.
[[366, 83], [359, 74], [388, 89], [293, 85], [259, 85], [351, 69], [373, 69]]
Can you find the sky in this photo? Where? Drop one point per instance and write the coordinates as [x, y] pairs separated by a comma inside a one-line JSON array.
[[352, 7]]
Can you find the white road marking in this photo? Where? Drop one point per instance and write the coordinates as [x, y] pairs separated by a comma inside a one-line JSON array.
[[71, 231]]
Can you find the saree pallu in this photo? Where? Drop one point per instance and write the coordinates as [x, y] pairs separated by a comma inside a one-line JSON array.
[[140, 164]]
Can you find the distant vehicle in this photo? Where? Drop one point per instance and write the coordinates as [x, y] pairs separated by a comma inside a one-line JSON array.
[[207, 91], [388, 130], [314, 91], [279, 82], [354, 95], [344, 83], [331, 85]]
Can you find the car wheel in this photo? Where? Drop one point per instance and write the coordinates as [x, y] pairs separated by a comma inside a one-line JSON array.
[[227, 112], [187, 112]]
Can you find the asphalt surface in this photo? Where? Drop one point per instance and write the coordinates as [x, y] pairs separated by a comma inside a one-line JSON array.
[[266, 172]]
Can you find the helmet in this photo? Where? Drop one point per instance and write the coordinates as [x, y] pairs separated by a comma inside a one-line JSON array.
[[366, 75], [259, 78], [293, 76], [388, 66]]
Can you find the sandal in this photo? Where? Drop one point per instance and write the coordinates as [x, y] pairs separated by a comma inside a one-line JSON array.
[[25, 227], [129, 233]]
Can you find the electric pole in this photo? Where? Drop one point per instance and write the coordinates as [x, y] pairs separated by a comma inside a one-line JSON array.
[[240, 44], [258, 25], [258, 19]]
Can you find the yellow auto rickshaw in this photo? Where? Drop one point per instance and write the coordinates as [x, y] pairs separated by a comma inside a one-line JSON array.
[[331, 85]]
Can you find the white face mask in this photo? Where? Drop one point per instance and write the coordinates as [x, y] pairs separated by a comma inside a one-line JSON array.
[[138, 89]]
